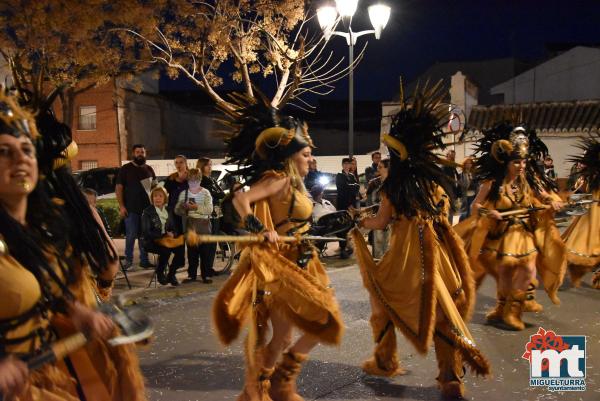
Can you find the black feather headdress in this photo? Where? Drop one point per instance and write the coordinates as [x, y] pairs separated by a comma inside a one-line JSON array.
[[535, 170], [260, 138], [507, 141], [590, 162], [416, 131]]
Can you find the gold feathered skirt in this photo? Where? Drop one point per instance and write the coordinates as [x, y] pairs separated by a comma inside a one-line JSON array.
[[266, 279], [517, 246], [582, 238], [424, 271]]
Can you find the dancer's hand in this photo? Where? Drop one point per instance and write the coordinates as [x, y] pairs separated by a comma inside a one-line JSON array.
[[494, 214], [92, 323], [13, 377], [556, 205], [271, 236]]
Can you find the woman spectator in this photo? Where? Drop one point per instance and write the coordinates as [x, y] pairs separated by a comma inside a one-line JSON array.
[[468, 187], [204, 164], [160, 235], [174, 184], [354, 169], [195, 206], [381, 238]]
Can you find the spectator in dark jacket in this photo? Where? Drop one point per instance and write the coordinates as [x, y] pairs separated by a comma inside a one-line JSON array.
[[160, 236], [468, 187], [452, 173], [371, 171], [347, 186], [312, 178], [347, 193]]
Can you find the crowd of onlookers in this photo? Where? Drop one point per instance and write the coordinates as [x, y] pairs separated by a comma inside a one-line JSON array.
[[158, 215]]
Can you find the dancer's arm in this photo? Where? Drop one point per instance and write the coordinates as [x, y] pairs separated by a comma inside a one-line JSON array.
[[264, 189], [382, 219], [547, 198], [484, 191]]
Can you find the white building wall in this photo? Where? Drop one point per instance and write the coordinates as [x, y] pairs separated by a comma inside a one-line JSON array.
[[561, 149], [573, 75]]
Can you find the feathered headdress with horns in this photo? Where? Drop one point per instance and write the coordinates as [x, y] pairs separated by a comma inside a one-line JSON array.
[[505, 142], [416, 131], [260, 138], [590, 161]]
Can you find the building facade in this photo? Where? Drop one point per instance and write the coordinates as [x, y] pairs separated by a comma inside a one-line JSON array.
[[559, 98]]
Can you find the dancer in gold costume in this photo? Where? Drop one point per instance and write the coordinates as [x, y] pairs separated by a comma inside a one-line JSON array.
[[582, 238], [282, 284], [46, 284], [511, 233], [423, 284]]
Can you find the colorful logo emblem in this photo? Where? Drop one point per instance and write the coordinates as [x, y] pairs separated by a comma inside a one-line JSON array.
[[556, 362]]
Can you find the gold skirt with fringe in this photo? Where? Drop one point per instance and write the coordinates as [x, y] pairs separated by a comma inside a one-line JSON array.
[[582, 237], [266, 279], [424, 271]]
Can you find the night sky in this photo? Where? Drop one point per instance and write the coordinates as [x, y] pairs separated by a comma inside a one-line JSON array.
[[422, 32]]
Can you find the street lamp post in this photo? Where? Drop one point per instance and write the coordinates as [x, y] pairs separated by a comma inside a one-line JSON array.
[[379, 15]]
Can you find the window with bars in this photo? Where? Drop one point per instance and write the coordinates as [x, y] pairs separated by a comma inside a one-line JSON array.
[[87, 118], [88, 164]]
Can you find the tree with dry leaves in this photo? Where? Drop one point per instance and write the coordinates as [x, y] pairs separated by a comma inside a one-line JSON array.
[[60, 48], [245, 41]]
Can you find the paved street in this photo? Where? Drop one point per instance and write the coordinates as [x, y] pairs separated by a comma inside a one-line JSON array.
[[186, 362]]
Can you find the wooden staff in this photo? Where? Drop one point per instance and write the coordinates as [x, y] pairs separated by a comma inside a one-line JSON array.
[[525, 212], [253, 238], [516, 212], [58, 351]]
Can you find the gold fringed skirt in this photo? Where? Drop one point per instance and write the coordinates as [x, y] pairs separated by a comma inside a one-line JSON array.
[[424, 268], [267, 277], [582, 238]]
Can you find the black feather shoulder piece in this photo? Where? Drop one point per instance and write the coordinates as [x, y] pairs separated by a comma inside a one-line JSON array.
[[491, 151], [535, 170], [590, 162], [417, 130]]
